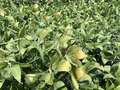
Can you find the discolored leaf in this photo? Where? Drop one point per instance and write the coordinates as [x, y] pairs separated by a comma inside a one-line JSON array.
[[74, 82], [76, 53], [63, 65]]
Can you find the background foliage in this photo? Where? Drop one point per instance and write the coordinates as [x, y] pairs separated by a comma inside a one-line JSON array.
[[60, 44]]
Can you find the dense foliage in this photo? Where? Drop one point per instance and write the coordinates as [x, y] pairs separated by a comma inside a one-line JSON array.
[[60, 44]]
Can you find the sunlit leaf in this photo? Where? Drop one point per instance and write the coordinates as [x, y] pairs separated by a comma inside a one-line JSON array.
[[1, 83], [117, 88], [64, 65], [58, 85], [31, 78], [76, 53], [74, 82], [2, 12], [47, 78], [16, 72], [43, 32], [63, 41]]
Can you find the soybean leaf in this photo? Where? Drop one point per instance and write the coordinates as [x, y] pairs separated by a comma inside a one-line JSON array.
[[16, 72], [58, 85], [1, 83], [117, 88]]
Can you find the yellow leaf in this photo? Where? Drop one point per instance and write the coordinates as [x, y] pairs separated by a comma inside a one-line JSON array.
[[74, 82], [76, 53], [79, 73], [46, 18], [64, 65]]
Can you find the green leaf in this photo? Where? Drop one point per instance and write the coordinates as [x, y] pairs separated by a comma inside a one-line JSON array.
[[2, 12], [68, 30], [92, 65], [1, 83], [28, 37], [107, 68], [3, 65], [47, 78], [63, 65], [63, 41], [16, 72], [86, 77], [74, 82], [106, 76], [43, 32], [64, 88], [6, 73], [40, 86], [22, 45], [31, 78], [2, 53], [116, 70], [117, 88], [11, 45], [58, 85]]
